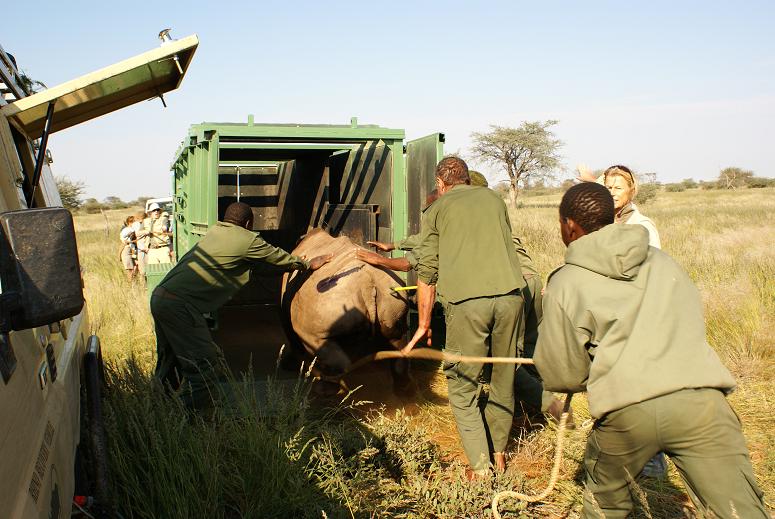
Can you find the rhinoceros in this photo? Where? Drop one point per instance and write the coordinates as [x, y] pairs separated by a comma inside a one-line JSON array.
[[345, 310]]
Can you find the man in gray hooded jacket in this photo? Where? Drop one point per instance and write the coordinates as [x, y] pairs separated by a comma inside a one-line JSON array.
[[623, 321]]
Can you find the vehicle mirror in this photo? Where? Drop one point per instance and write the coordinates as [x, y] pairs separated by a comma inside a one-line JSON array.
[[39, 268]]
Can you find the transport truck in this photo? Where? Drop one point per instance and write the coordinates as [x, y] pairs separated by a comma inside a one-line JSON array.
[[50, 362], [363, 181]]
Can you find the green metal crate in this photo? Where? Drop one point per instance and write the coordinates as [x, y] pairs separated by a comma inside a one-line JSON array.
[[154, 274], [363, 181]]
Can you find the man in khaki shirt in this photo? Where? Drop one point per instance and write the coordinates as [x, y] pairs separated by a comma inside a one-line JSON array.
[[158, 236], [206, 277], [466, 228]]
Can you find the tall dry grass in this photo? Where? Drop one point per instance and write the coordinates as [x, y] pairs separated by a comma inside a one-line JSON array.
[[288, 458]]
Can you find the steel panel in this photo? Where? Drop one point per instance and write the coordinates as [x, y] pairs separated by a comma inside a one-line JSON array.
[[136, 79], [422, 155]]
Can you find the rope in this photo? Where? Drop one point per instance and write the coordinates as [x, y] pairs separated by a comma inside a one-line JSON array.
[[555, 469], [431, 354]]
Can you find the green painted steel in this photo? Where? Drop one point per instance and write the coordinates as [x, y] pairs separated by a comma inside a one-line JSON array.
[[296, 177], [422, 155], [154, 274], [210, 148]]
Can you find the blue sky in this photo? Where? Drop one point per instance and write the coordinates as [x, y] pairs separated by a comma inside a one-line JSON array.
[[680, 89]]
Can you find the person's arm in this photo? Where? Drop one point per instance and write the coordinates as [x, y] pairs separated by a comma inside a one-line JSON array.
[[525, 261], [427, 274], [426, 297], [409, 243], [385, 247], [561, 356], [372, 258], [262, 252]]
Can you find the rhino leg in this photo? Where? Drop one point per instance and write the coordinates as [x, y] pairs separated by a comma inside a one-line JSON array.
[[400, 371]]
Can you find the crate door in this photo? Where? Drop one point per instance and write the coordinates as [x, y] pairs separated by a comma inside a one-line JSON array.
[[422, 155]]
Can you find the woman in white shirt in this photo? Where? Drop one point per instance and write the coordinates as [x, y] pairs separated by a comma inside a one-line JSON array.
[[621, 182]]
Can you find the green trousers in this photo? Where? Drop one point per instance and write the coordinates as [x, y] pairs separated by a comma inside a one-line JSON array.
[[480, 327], [698, 430], [188, 361], [528, 387]]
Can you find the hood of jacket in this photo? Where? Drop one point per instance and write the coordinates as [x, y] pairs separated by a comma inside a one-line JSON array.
[[615, 251]]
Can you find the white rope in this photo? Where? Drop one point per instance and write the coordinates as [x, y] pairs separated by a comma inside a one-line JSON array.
[[555, 469]]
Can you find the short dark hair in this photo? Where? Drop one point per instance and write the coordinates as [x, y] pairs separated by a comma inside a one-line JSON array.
[[453, 171], [588, 204], [238, 213]]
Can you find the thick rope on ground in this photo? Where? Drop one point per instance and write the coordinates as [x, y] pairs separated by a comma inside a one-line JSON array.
[[431, 354], [555, 469]]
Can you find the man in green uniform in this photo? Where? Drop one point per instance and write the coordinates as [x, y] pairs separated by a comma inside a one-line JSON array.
[[527, 382], [624, 322], [466, 228], [205, 278]]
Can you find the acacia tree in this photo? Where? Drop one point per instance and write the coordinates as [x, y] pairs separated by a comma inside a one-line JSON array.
[[70, 192], [530, 151], [732, 178]]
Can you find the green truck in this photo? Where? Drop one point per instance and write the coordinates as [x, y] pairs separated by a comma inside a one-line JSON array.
[[363, 181]]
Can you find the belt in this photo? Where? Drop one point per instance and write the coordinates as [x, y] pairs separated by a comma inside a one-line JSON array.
[[158, 246], [165, 294]]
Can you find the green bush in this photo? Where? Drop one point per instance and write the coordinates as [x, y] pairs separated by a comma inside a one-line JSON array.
[[92, 205], [760, 182], [675, 188], [646, 193]]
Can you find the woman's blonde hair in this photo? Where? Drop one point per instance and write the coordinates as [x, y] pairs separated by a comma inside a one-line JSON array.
[[129, 221], [626, 173]]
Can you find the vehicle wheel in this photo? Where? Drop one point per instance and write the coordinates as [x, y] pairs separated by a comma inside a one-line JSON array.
[[97, 442]]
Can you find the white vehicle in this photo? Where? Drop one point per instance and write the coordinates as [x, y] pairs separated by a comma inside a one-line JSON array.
[[48, 356], [165, 204]]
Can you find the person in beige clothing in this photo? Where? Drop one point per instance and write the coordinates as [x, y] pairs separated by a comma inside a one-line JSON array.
[[620, 181], [159, 235]]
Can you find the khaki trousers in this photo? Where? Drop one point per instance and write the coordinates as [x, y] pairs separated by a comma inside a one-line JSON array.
[[481, 327], [698, 430], [158, 255]]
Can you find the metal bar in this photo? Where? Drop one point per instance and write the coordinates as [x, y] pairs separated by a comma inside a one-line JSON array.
[[288, 145], [298, 132], [249, 163], [41, 152], [237, 169], [8, 75]]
